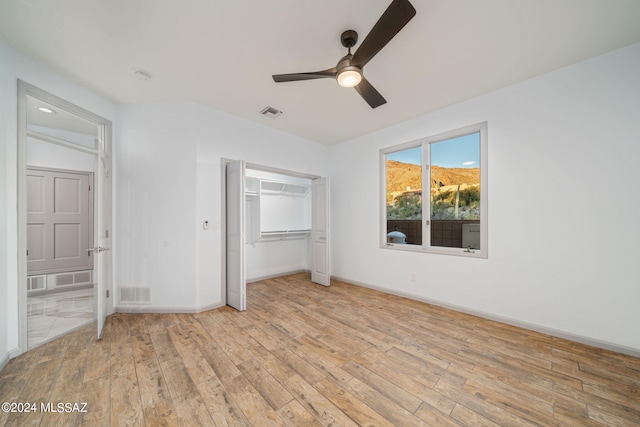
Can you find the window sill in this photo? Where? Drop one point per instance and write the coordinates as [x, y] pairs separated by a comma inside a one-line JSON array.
[[474, 253]]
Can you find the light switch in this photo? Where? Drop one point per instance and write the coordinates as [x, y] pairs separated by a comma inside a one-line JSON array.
[[205, 225]]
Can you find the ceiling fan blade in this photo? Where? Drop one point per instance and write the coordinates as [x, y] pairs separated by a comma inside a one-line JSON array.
[[370, 94], [397, 15], [280, 78]]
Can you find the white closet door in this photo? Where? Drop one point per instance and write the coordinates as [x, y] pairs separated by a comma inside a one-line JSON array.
[[103, 272], [320, 271], [235, 218]]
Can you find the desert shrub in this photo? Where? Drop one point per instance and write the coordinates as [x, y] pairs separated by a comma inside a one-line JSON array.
[[406, 206]]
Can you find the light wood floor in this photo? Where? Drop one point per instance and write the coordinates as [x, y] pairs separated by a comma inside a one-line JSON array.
[[305, 355]]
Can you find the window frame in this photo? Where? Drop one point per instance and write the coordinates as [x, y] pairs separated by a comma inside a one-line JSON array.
[[425, 143]]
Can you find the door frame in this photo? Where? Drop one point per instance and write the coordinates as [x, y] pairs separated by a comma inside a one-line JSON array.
[[223, 222], [103, 159]]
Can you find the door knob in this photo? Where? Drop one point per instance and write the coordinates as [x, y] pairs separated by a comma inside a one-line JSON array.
[[97, 249]]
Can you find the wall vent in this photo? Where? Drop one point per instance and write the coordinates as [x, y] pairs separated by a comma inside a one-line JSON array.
[[64, 279], [74, 278], [270, 112], [36, 283], [82, 277], [135, 295]]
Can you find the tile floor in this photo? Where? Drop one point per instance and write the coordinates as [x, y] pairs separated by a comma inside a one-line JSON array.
[[51, 315]]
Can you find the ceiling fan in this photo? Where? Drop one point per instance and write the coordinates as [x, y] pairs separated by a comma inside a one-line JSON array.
[[348, 71]]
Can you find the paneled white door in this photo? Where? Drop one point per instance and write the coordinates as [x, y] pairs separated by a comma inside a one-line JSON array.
[[103, 258], [320, 266], [235, 231], [59, 221]]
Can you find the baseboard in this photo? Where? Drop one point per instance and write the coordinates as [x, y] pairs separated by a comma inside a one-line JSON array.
[[15, 352], [506, 320], [8, 356], [5, 359], [208, 307], [166, 310], [273, 276]]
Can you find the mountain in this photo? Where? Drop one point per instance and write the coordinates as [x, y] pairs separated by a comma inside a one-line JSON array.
[[403, 177], [455, 176]]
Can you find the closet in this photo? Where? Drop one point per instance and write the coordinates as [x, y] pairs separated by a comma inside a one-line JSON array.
[[275, 224]]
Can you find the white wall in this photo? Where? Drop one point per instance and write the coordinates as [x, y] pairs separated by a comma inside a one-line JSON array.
[[169, 178], [17, 66], [156, 169], [563, 205]]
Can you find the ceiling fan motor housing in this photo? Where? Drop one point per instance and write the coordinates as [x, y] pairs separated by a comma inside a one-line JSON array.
[[349, 39], [345, 63]]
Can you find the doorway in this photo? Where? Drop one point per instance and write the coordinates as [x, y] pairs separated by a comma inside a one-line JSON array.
[[60, 208], [64, 267], [269, 207]]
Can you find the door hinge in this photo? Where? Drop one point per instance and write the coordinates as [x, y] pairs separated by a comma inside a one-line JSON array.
[[107, 293], [106, 234], [27, 252], [427, 222], [89, 187]]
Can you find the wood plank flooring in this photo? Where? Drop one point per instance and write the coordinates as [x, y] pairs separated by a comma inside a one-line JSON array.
[[306, 355]]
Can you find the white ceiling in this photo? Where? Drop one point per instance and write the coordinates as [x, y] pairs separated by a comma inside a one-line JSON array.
[[223, 53]]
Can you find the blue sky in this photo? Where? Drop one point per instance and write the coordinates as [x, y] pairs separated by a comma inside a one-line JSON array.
[[461, 152]]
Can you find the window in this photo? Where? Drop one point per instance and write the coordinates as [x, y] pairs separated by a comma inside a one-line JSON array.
[[449, 218]]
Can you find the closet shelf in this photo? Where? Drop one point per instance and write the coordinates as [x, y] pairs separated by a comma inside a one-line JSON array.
[[283, 188], [278, 232], [284, 234]]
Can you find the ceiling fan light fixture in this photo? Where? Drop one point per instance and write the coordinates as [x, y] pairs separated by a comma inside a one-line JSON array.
[[349, 77]]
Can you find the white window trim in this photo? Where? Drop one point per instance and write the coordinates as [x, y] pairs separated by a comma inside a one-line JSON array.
[[426, 229]]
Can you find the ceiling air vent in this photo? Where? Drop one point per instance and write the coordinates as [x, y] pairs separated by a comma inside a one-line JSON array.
[[270, 112]]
